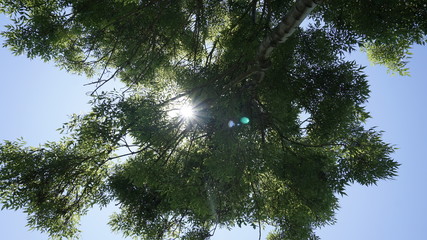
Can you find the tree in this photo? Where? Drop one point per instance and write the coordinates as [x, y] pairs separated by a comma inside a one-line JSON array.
[[301, 139]]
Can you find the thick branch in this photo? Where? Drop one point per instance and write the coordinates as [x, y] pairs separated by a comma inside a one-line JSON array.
[[280, 34], [284, 30]]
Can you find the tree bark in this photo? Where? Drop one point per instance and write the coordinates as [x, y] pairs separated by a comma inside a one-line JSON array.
[[284, 30]]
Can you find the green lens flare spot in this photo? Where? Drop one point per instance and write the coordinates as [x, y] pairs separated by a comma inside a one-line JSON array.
[[244, 120]]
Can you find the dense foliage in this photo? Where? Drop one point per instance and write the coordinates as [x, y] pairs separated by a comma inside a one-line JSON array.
[[302, 142]]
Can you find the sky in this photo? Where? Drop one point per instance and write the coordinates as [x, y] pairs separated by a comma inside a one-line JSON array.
[[36, 98]]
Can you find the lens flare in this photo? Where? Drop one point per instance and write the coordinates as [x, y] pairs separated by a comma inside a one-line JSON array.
[[244, 120], [231, 124]]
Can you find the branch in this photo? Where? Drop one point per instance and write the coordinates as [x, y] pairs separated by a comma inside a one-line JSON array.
[[280, 34], [130, 153], [284, 30]]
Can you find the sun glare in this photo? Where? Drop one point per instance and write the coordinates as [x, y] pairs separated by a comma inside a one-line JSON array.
[[186, 112]]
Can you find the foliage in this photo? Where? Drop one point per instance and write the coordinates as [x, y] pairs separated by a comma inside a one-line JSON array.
[[182, 177], [55, 184], [393, 57], [389, 31]]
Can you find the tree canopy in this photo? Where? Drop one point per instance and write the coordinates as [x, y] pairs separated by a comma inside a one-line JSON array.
[[233, 114]]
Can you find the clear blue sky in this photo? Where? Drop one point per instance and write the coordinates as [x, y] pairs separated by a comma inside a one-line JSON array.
[[36, 98]]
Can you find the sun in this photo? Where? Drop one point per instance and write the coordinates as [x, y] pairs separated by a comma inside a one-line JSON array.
[[182, 110], [186, 112]]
